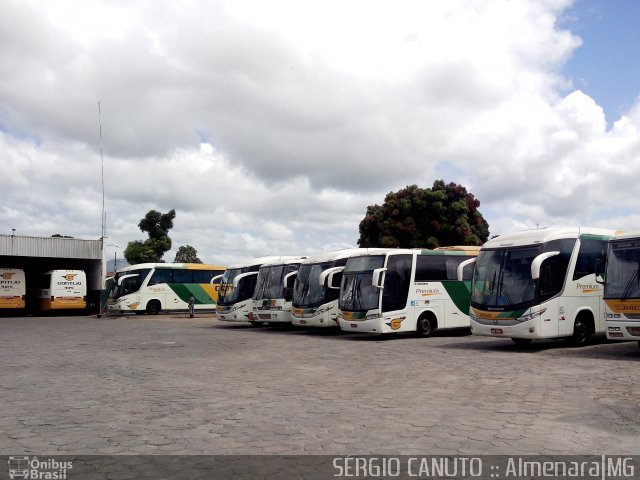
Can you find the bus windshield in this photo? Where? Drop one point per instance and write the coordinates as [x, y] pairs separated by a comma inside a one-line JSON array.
[[623, 270], [357, 292], [131, 284], [502, 277], [308, 291], [228, 295], [269, 283]]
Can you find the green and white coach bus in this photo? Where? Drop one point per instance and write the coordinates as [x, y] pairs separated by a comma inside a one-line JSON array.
[[236, 289], [274, 290], [622, 287], [406, 290], [154, 287], [317, 288], [540, 284]]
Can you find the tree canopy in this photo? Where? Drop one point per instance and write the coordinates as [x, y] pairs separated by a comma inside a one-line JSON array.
[[415, 217], [157, 225], [187, 254]]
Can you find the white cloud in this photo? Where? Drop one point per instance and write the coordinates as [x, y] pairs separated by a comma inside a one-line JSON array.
[[270, 126]]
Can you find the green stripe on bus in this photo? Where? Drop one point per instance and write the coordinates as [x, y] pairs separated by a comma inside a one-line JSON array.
[[460, 293], [185, 290]]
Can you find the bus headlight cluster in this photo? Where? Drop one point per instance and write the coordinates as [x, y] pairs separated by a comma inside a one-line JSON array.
[[320, 310], [531, 316], [371, 316]]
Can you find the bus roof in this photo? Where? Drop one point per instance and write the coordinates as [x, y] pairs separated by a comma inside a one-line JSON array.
[[260, 261], [470, 250], [66, 270], [332, 255], [626, 236], [283, 261], [188, 266], [543, 235]]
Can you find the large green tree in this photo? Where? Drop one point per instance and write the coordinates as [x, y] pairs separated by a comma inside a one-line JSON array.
[[157, 225], [414, 217], [187, 254]]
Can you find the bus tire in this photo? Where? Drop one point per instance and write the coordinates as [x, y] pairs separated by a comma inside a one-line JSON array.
[[426, 325], [153, 307], [581, 332], [521, 341], [255, 324]]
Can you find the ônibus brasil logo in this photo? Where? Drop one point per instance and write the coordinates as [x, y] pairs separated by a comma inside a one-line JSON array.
[[34, 468]]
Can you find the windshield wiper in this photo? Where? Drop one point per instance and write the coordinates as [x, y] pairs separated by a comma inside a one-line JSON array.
[[634, 277], [492, 286], [357, 300]]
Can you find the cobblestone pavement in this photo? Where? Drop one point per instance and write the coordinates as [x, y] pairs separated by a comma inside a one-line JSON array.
[[174, 385]]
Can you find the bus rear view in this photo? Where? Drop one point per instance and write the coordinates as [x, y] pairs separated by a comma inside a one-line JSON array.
[[63, 290], [12, 289]]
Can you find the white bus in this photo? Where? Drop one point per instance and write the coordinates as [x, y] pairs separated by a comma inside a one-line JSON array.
[[236, 289], [13, 289], [62, 290], [539, 284], [274, 290], [406, 290], [622, 287], [317, 288], [154, 287]]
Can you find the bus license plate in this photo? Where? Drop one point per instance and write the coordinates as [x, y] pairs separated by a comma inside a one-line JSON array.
[[354, 325], [496, 331], [303, 322]]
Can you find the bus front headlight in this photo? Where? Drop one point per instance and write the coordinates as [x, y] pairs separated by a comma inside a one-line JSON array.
[[531, 316]]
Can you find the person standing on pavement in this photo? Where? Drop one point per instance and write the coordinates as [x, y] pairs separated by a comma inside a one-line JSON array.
[[192, 302]]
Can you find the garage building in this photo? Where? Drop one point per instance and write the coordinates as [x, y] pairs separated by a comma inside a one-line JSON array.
[[38, 255]]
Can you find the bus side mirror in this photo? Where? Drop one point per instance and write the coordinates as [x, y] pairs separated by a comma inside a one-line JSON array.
[[236, 281], [537, 263], [289, 279], [124, 277], [213, 280], [460, 271], [376, 278], [328, 275], [600, 268]]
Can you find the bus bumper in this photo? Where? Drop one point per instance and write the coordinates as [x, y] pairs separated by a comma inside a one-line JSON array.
[[273, 316], [527, 329], [623, 331], [227, 314], [318, 321], [374, 325]]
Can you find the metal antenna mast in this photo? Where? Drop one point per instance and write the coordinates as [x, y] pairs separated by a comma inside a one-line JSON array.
[[104, 219]]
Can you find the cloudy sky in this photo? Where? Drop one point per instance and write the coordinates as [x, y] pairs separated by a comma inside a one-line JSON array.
[[270, 126]]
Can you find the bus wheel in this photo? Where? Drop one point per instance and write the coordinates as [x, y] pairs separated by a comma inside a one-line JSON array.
[[425, 326], [153, 307], [581, 333], [521, 341], [255, 324]]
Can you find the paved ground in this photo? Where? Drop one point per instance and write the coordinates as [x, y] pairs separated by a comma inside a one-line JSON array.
[[79, 385]]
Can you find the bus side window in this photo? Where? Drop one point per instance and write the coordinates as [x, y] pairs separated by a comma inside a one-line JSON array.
[[160, 275], [590, 251]]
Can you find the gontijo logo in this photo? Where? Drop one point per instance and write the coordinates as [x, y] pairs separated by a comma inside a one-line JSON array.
[[7, 275], [69, 277], [34, 468]]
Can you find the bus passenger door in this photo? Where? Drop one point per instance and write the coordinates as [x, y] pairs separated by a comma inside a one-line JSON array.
[[395, 292]]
